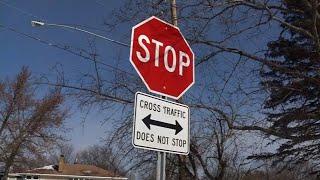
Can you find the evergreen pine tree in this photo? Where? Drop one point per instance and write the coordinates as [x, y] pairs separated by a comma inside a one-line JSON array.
[[293, 104]]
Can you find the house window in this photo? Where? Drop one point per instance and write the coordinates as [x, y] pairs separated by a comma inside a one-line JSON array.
[[32, 177]]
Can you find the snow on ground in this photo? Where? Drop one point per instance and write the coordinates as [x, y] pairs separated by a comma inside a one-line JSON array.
[[49, 167]]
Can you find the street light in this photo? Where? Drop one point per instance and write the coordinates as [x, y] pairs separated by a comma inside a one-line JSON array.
[[40, 23], [37, 23]]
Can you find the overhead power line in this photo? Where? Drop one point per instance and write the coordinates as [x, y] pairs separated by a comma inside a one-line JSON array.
[[19, 10], [64, 48], [63, 25]]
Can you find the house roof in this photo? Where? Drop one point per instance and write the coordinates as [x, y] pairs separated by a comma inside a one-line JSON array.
[[73, 169]]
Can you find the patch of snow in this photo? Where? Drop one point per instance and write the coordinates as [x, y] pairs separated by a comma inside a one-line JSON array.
[[50, 167]]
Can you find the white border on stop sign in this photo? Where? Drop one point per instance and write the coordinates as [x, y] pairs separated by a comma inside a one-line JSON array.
[[193, 63]]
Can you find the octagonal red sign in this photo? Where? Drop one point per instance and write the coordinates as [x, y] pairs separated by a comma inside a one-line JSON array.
[[162, 57]]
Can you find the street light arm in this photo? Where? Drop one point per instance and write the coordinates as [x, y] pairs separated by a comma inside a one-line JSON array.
[[39, 23]]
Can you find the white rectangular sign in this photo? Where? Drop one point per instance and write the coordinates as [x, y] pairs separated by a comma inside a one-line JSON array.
[[160, 125]]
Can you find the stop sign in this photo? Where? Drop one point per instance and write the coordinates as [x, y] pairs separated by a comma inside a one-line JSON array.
[[162, 57]]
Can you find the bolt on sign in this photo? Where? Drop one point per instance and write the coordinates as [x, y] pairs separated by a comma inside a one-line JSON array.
[[160, 125], [162, 57]]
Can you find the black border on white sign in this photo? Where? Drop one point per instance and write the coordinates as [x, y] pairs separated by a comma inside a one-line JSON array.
[[157, 149]]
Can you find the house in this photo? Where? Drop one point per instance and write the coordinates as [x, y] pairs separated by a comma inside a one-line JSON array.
[[64, 171]]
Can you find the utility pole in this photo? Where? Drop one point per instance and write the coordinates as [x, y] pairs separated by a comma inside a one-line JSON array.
[[174, 17], [161, 162], [174, 21]]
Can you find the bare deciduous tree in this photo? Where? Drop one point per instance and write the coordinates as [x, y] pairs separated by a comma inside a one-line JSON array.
[[29, 120], [101, 156], [230, 41]]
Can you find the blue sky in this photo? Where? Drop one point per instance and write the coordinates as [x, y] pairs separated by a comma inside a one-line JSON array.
[[17, 51]]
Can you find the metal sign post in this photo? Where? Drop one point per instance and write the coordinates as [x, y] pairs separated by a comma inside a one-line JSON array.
[[159, 124], [161, 163], [161, 166]]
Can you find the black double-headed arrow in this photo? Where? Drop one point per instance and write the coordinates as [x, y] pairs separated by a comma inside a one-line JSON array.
[[148, 121]]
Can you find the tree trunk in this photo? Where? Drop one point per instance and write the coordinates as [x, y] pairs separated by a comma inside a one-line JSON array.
[[10, 159], [9, 163]]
